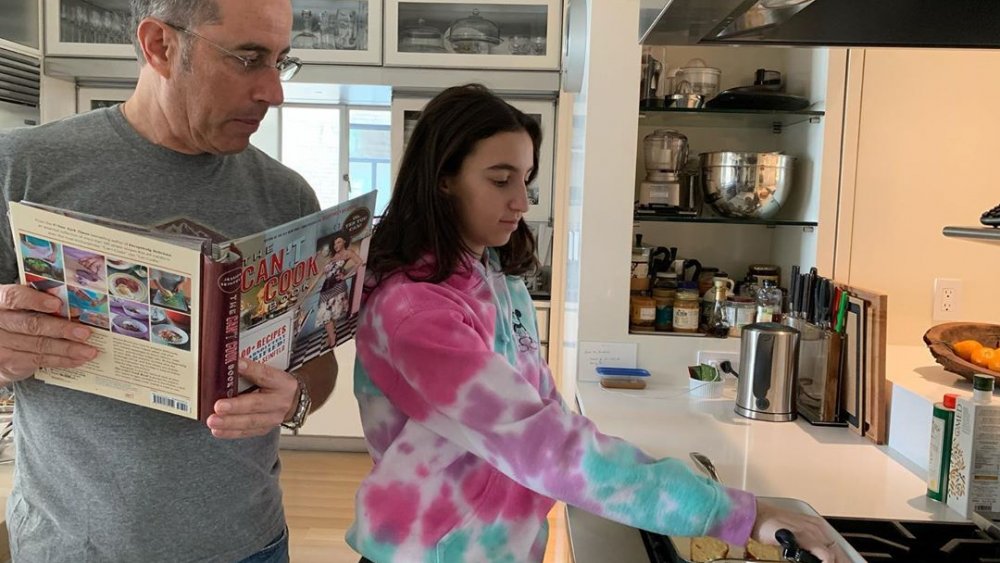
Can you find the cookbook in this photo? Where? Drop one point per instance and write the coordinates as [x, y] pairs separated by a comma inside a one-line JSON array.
[[172, 313]]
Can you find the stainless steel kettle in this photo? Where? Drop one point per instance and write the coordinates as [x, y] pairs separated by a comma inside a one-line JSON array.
[[769, 364]]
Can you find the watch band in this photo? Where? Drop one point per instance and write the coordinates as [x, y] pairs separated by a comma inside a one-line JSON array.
[[302, 409]]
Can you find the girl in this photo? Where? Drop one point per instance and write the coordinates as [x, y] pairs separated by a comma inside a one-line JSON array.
[[470, 439]]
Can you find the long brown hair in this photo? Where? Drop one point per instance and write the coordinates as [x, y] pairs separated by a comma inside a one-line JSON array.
[[421, 217]]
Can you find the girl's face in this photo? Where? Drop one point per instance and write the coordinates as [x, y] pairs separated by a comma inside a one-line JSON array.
[[338, 244], [491, 189]]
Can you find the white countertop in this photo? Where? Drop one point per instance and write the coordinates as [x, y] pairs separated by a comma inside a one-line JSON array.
[[838, 473]]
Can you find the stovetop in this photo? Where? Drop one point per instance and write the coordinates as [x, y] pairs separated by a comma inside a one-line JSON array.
[[881, 541], [918, 542]]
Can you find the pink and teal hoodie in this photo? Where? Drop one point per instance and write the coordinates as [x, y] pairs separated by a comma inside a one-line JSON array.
[[472, 443]]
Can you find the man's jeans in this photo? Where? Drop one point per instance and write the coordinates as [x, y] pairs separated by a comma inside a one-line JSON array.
[[275, 552]]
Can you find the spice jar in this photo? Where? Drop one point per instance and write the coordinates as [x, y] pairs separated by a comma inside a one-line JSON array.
[[664, 292], [686, 308], [642, 312], [740, 311]]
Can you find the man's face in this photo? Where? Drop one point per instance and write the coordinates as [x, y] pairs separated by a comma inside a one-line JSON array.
[[219, 100]]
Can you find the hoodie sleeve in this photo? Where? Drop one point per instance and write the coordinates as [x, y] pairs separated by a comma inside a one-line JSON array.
[[444, 376]]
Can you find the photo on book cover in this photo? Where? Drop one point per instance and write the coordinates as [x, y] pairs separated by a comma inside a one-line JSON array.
[[300, 290]]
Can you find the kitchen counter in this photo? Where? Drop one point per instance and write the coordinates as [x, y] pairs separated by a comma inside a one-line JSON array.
[[838, 473]]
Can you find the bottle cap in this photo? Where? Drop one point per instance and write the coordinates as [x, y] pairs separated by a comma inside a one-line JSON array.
[[982, 382], [949, 400]]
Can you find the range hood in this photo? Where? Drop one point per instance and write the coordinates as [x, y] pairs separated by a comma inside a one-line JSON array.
[[846, 23]]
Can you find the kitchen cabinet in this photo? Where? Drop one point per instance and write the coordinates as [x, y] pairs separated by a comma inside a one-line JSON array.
[[19, 26], [323, 31], [497, 34], [337, 31], [796, 235], [91, 28]]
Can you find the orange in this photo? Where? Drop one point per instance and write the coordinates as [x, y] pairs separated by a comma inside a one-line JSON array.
[[965, 348], [982, 356], [994, 363]]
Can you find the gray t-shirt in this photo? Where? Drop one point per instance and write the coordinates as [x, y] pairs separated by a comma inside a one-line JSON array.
[[102, 480]]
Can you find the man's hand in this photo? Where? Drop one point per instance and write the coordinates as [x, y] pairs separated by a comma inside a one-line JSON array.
[[258, 412], [31, 338]]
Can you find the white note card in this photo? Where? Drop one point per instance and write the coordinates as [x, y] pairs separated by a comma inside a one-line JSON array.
[[612, 354]]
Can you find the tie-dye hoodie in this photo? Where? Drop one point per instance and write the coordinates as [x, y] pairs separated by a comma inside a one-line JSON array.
[[472, 443]]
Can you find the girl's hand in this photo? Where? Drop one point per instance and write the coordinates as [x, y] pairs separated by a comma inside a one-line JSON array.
[[808, 531]]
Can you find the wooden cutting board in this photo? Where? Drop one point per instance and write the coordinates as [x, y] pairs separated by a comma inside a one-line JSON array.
[[876, 392]]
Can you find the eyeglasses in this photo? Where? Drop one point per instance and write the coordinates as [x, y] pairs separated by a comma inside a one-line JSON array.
[[287, 67]]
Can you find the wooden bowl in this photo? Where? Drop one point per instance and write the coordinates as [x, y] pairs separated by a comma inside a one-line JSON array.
[[942, 337]]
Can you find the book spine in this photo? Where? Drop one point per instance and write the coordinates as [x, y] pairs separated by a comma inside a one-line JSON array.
[[220, 332]]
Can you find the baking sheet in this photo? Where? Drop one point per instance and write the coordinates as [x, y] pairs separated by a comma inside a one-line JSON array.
[[736, 553]]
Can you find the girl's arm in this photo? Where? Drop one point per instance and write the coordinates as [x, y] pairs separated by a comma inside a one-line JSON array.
[[435, 367]]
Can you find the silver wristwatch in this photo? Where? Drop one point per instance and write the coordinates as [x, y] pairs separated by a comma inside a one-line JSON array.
[[302, 410]]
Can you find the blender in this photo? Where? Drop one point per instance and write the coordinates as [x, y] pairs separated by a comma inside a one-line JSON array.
[[665, 152]]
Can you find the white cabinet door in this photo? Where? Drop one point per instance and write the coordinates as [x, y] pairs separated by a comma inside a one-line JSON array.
[[91, 28], [406, 111], [500, 34], [337, 31]]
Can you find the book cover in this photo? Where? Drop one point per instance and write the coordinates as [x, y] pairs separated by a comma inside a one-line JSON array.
[[172, 314], [301, 284]]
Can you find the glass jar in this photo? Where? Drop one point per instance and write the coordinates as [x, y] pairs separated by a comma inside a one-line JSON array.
[[664, 292], [769, 299], [758, 273], [686, 308], [740, 312], [642, 312]]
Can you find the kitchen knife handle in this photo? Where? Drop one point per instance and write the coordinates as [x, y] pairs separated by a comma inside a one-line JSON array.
[[842, 311], [794, 281]]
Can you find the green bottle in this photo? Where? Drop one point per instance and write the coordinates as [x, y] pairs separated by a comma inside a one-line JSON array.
[[940, 455]]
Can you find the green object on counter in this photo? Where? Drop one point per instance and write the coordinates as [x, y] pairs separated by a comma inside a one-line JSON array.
[[704, 372], [841, 312], [939, 462]]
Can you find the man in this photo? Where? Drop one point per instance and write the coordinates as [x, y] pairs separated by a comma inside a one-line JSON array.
[[103, 480]]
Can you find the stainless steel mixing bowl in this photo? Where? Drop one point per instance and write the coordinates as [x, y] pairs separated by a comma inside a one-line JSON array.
[[746, 185]]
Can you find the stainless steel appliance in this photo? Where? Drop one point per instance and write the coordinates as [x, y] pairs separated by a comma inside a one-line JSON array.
[[650, 80], [665, 153], [768, 376], [859, 23]]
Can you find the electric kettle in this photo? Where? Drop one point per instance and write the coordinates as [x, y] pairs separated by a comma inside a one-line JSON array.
[[769, 363]]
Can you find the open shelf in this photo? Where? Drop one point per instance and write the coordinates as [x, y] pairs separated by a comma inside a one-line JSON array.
[[707, 117], [980, 234], [724, 220]]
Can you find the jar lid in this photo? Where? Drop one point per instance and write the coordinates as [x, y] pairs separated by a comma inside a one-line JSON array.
[[475, 28], [949, 400], [982, 382]]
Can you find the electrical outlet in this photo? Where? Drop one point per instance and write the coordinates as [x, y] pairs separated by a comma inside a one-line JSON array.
[[715, 358], [947, 299]]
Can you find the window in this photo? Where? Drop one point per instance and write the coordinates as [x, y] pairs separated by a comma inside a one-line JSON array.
[[343, 151]]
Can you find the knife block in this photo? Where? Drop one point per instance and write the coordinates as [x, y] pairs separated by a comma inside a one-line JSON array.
[[821, 353]]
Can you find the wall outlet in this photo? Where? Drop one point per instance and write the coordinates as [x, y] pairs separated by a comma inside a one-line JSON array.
[[947, 299], [715, 358]]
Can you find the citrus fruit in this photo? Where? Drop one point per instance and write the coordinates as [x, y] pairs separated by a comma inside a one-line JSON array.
[[965, 348]]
